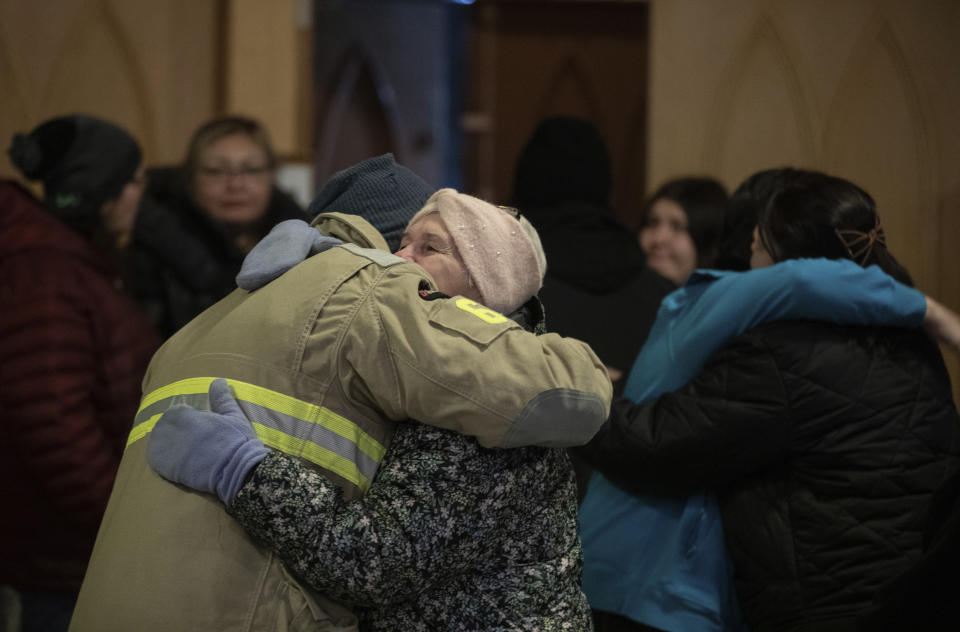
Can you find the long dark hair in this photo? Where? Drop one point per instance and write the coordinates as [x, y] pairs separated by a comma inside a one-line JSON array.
[[812, 214]]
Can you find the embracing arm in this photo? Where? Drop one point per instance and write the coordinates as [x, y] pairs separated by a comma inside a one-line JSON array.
[[942, 324], [841, 291], [734, 418], [428, 517], [712, 309], [455, 364], [837, 291], [437, 507]]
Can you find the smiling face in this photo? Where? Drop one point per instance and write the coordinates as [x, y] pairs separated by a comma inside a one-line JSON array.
[[666, 242], [233, 180], [427, 242]]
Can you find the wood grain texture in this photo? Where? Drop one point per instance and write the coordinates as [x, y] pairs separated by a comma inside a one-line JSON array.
[[147, 66]]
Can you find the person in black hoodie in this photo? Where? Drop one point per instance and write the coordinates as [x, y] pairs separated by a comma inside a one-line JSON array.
[[197, 221], [598, 288]]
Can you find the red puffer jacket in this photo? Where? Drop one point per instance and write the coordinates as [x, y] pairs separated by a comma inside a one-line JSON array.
[[73, 350]]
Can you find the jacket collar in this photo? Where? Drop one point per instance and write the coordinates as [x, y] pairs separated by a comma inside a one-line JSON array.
[[350, 228]]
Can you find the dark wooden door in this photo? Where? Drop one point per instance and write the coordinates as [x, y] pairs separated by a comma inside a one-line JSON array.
[[529, 60]]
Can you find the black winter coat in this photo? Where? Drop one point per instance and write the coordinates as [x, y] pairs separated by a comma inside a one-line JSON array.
[[824, 444], [598, 288], [182, 262]]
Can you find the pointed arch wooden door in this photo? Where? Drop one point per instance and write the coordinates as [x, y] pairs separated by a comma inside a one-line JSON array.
[[529, 60]]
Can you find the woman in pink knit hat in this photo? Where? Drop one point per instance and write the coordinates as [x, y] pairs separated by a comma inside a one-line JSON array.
[[451, 535], [474, 249]]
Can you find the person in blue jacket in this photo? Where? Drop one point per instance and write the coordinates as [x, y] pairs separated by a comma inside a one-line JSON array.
[[659, 558]]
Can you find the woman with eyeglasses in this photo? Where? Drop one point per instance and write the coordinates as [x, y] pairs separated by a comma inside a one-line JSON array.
[[198, 220]]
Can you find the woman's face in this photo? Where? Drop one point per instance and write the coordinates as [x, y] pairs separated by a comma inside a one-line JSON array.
[[759, 257], [120, 213], [666, 242], [428, 243], [233, 181]]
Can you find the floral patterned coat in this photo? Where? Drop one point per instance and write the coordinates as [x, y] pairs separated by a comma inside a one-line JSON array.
[[451, 535]]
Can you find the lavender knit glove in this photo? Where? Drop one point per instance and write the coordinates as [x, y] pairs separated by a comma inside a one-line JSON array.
[[286, 245], [208, 451]]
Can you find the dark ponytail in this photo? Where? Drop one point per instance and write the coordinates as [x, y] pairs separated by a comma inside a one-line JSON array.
[[812, 215]]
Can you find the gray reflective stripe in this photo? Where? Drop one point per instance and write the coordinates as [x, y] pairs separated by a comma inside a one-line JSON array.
[[311, 440], [314, 433], [380, 257], [200, 401]]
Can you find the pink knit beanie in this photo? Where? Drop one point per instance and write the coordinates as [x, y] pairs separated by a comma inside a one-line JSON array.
[[503, 255]]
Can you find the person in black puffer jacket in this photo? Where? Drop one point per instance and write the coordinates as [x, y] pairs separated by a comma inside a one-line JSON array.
[[824, 443], [197, 221]]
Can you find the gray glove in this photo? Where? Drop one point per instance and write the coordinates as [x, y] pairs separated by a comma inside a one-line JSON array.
[[286, 245], [208, 451]]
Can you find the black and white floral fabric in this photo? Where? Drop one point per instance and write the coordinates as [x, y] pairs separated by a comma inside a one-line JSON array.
[[451, 535]]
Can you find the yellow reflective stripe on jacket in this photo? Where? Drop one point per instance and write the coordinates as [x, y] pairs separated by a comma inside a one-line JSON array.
[[290, 425]]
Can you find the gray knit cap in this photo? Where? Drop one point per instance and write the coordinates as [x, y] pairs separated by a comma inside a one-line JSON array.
[[379, 190]]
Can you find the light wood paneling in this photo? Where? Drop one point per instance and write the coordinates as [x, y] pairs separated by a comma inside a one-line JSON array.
[[267, 69], [146, 65]]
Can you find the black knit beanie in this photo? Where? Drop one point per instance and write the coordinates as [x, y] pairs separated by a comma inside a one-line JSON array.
[[565, 160], [82, 162], [378, 189]]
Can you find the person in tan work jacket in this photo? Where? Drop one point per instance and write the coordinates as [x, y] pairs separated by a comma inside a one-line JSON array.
[[323, 359], [451, 535]]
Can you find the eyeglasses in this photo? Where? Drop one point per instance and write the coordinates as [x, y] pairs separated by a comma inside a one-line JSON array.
[[245, 172], [511, 210]]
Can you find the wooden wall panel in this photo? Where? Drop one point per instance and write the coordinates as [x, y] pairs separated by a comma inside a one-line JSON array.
[[762, 111], [876, 131], [147, 65], [265, 48], [864, 89]]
